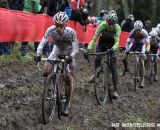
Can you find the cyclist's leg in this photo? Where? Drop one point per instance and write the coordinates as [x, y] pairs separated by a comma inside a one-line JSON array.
[[96, 65], [141, 61], [155, 51], [48, 67], [98, 58], [69, 87], [125, 59], [113, 67]]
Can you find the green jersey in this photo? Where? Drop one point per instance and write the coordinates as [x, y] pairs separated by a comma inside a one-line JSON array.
[[102, 30]]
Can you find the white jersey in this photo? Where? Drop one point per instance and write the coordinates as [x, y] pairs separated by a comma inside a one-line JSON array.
[[65, 43]]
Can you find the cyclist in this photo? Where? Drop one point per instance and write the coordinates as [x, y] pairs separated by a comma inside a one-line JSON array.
[[154, 47], [108, 33], [65, 40], [140, 42]]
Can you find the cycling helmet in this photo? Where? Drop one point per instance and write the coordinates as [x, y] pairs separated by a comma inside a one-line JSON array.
[[153, 33], [103, 12], [112, 18], [130, 16], [138, 25], [158, 30], [60, 18], [158, 25]]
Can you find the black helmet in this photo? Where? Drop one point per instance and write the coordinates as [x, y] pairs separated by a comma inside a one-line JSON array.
[[103, 12]]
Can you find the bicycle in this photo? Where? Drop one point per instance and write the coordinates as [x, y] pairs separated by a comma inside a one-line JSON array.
[[53, 97], [151, 68], [136, 77], [102, 78]]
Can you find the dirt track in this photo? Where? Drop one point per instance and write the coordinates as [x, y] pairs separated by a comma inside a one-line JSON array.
[[20, 101]]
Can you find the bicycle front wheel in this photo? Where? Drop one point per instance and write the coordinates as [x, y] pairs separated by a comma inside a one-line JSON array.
[[136, 77], [60, 95], [100, 86], [49, 98]]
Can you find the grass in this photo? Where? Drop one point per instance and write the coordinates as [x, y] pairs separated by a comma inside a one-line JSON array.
[[16, 55]]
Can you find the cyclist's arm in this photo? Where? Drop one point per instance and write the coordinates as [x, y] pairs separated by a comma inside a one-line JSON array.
[[44, 41], [146, 40], [117, 37], [75, 46], [96, 35], [129, 39]]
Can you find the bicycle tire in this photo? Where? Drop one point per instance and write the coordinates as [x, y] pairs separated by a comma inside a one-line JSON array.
[[135, 78], [60, 95], [151, 74], [49, 99], [100, 88]]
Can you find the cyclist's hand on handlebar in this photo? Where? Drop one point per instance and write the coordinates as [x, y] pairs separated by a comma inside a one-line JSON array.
[[37, 58], [68, 59], [147, 52], [86, 54], [111, 51], [127, 52]]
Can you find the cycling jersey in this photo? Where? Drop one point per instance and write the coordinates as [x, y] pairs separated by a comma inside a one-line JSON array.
[[138, 36], [139, 40], [65, 43], [106, 35], [154, 45]]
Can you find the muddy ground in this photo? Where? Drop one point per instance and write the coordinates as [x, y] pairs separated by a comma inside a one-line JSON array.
[[21, 86]]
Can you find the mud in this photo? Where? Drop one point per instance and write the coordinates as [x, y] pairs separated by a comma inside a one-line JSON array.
[[21, 86]]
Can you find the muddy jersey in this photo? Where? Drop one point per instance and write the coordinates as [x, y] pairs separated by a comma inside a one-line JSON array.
[[65, 43], [104, 33], [138, 36]]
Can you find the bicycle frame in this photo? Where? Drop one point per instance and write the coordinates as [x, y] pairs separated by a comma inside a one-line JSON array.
[[102, 90], [56, 98], [136, 77]]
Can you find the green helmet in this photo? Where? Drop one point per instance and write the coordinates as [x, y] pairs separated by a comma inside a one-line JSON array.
[[112, 18]]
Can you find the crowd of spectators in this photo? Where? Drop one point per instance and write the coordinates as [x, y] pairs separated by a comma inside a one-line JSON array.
[[77, 10]]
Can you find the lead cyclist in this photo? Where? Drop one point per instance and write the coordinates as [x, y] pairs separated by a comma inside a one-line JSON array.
[[65, 39]]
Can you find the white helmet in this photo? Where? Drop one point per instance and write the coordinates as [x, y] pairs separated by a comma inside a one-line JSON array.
[[158, 30], [138, 25], [153, 33], [60, 18], [158, 25]]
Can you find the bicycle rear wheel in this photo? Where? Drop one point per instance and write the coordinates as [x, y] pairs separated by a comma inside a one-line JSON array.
[[60, 95], [49, 98], [100, 86], [151, 74]]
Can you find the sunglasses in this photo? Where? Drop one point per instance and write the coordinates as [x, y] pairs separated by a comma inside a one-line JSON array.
[[111, 24], [59, 25]]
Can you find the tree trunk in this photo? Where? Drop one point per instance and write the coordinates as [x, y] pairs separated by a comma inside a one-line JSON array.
[[154, 12], [125, 7]]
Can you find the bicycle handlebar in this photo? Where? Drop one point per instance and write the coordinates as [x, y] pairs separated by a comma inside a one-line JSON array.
[[137, 53], [55, 61], [96, 53]]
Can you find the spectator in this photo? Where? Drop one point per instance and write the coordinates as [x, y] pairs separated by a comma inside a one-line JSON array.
[[76, 5], [51, 7], [128, 24], [32, 6], [102, 17], [5, 47], [16, 4], [81, 15]]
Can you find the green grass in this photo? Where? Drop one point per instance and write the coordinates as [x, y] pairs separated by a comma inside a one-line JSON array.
[[16, 55]]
